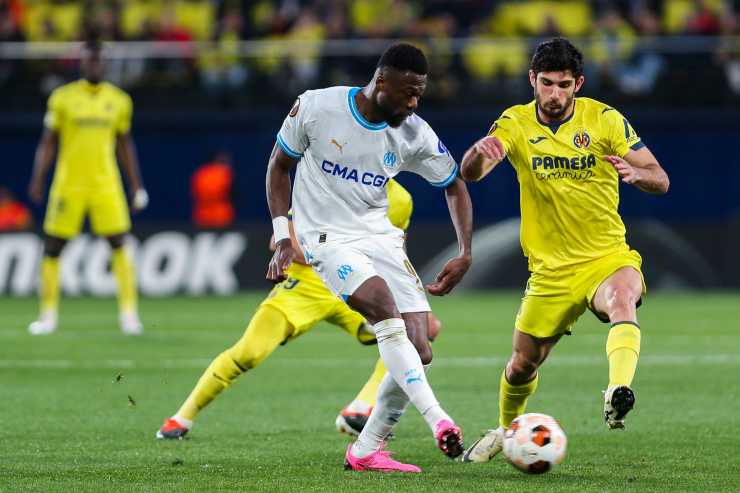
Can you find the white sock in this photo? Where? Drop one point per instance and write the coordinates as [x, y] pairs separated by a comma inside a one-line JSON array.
[[404, 364], [187, 423], [390, 406], [434, 414]]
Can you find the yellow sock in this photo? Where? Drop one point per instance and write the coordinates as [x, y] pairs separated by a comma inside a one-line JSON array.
[[267, 329], [369, 392], [623, 350], [123, 269], [512, 399], [49, 289]]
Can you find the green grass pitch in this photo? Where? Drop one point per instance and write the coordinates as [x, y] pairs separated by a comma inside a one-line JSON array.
[[67, 423]]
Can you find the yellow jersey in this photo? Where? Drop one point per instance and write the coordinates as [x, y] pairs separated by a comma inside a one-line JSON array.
[[569, 195], [88, 118]]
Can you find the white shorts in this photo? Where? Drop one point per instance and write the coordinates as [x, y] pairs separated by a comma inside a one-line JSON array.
[[344, 264]]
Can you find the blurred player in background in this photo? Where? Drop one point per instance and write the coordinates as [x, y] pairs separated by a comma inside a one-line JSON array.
[[89, 121], [569, 154], [347, 143], [293, 308]]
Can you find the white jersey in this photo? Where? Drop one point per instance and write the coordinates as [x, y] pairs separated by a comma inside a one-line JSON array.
[[346, 162]]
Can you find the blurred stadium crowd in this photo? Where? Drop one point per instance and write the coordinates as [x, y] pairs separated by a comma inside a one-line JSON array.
[[479, 49]]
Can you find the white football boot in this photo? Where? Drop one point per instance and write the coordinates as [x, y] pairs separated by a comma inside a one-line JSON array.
[[46, 324], [618, 401], [486, 447], [130, 323]]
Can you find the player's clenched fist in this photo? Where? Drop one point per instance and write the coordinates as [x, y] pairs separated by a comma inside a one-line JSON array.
[[482, 157], [490, 147], [281, 260]]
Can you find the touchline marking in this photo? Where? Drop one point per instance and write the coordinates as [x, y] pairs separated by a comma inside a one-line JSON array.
[[449, 362]]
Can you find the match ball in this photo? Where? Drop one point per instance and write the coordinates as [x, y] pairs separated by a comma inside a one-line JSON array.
[[534, 443]]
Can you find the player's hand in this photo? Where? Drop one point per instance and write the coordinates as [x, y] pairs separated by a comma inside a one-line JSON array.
[[490, 147], [139, 200], [451, 274], [36, 192], [628, 173], [281, 260]]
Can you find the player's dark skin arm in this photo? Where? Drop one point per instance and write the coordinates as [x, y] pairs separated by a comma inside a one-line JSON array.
[[641, 169], [278, 200], [461, 212], [129, 162], [42, 164]]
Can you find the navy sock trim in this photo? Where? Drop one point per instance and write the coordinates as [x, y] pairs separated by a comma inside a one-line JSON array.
[[626, 322]]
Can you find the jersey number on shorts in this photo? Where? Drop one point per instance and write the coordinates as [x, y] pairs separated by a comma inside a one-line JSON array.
[[290, 283], [410, 269]]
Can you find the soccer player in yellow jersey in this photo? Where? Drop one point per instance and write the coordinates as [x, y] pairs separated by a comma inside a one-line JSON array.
[[89, 121], [569, 155], [293, 308]]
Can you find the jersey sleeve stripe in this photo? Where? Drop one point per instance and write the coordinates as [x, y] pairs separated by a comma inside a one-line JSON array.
[[290, 152], [637, 145], [446, 181]]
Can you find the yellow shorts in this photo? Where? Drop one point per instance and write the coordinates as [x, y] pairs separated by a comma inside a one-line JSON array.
[[67, 208], [552, 303], [305, 301]]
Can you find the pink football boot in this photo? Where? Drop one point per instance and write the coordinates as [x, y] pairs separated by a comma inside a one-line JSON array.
[[449, 438], [377, 461]]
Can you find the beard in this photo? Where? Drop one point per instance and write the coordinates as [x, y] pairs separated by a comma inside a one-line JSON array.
[[394, 119], [553, 111]]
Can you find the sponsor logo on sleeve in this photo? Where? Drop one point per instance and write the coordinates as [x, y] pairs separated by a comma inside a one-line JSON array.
[[294, 109]]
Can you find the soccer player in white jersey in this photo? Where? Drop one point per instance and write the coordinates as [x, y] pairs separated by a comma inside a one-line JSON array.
[[347, 143]]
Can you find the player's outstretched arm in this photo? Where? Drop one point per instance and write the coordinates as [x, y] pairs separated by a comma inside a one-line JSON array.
[[461, 212], [130, 164], [641, 169], [481, 158], [278, 200], [42, 164]]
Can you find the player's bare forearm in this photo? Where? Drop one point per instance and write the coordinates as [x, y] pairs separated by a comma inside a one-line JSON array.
[[129, 161], [653, 179], [481, 158], [278, 182], [641, 169], [42, 164], [278, 200], [461, 212]]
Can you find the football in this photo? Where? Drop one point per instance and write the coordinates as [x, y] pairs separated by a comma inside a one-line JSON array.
[[534, 443]]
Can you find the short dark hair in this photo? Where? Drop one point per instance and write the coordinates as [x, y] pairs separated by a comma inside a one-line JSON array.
[[557, 55], [403, 57]]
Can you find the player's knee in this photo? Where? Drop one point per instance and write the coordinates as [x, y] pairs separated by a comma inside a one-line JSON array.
[[381, 308], [247, 356], [53, 246], [521, 368], [374, 304], [622, 299], [115, 241]]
